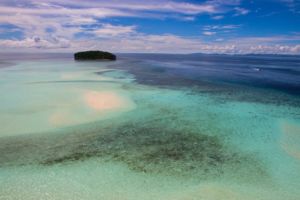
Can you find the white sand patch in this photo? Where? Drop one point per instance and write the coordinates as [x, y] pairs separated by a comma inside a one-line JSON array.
[[290, 140], [101, 105], [104, 101]]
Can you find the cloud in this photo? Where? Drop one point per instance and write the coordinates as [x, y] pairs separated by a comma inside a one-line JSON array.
[[144, 43], [187, 18], [69, 25], [117, 5], [208, 33], [221, 27], [108, 30], [275, 49], [217, 17], [279, 39], [36, 43], [82, 20], [66, 18], [9, 30], [210, 30], [116, 8], [293, 5], [61, 11], [240, 11], [219, 39]]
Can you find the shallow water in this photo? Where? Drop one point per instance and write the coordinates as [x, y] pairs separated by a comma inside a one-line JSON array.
[[144, 128]]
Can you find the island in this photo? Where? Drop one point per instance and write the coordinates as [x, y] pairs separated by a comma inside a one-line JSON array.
[[94, 55]]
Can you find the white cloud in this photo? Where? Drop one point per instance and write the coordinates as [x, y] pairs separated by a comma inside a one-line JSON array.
[[217, 17], [240, 11], [208, 33], [275, 49], [294, 5], [218, 29], [65, 20], [81, 20], [279, 39], [187, 18], [62, 11], [139, 42], [10, 30], [230, 26], [219, 40], [221, 27], [36, 43], [108, 30], [120, 5]]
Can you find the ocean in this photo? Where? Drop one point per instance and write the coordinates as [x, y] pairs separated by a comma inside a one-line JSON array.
[[150, 126]]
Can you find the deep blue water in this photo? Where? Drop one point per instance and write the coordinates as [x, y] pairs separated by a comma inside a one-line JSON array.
[[277, 72]]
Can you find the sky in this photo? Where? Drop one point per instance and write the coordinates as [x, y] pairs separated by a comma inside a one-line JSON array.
[[151, 26]]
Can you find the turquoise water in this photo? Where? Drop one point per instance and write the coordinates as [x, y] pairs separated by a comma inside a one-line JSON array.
[[102, 130]]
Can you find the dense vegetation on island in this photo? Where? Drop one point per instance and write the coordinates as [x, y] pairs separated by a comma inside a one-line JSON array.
[[94, 55]]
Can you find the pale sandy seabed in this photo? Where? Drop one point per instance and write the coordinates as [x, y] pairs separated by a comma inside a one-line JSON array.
[[72, 130]]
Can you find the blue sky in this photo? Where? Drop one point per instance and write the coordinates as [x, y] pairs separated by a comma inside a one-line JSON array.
[[168, 26]]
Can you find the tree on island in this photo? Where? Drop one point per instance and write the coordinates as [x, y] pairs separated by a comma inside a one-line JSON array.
[[94, 55]]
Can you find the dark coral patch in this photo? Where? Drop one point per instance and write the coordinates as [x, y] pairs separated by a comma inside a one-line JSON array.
[[160, 144], [155, 149]]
